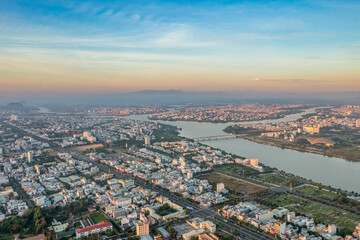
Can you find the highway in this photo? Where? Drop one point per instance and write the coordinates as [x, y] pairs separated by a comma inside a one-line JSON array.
[[194, 209]]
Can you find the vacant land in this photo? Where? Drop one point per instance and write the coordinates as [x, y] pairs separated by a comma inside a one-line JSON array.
[[97, 217], [320, 212], [87, 147], [237, 185], [278, 179], [319, 193]]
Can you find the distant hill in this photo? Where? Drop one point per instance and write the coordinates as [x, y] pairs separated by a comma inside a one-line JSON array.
[[15, 106], [173, 96], [156, 92]]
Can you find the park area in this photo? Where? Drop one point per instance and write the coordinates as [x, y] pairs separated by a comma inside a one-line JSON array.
[[231, 183], [319, 193], [235, 170], [320, 212], [97, 217], [165, 210]]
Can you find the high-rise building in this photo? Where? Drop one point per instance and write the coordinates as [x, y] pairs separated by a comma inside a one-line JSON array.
[[358, 123], [142, 228], [29, 156], [279, 227], [147, 140], [332, 229]]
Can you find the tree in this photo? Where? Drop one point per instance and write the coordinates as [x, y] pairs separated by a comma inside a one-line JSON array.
[[147, 213], [186, 211]]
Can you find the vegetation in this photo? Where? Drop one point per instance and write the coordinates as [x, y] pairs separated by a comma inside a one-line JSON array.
[[98, 217], [317, 192], [321, 213], [164, 210], [236, 170], [278, 179], [33, 222]]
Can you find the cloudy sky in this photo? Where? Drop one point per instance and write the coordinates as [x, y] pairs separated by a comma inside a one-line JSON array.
[[49, 47]]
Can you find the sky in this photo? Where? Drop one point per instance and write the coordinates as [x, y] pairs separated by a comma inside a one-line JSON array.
[[107, 46]]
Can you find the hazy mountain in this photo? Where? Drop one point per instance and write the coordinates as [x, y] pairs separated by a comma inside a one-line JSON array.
[[16, 106], [161, 97]]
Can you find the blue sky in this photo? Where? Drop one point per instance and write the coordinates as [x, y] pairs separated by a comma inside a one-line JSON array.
[[119, 46]]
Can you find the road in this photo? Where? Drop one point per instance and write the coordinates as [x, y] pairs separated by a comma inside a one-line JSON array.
[[196, 210]]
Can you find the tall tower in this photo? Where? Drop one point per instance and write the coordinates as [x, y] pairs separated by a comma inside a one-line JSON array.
[[29, 157]]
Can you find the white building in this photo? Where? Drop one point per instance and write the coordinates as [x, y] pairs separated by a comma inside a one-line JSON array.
[[358, 123], [220, 187], [332, 229], [147, 141]]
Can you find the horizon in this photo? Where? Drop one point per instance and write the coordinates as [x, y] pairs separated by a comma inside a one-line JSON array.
[[109, 47]]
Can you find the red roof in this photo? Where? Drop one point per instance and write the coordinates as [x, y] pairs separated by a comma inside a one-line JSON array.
[[38, 237], [93, 227]]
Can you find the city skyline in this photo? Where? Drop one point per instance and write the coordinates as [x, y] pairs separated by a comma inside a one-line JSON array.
[[113, 47]]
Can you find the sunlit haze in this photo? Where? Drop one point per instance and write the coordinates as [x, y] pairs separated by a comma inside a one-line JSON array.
[[122, 46]]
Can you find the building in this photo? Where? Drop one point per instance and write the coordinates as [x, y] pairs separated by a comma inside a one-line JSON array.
[[358, 123], [86, 134], [142, 228], [199, 223], [279, 227], [29, 157], [13, 117], [220, 187], [208, 236], [164, 233], [311, 129], [290, 216], [332, 229], [94, 229], [147, 141], [254, 162]]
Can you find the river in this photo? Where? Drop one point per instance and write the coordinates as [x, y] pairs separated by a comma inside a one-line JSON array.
[[337, 172]]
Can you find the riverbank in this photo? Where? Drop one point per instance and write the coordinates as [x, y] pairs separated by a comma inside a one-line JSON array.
[[280, 116], [301, 149], [336, 172], [347, 153]]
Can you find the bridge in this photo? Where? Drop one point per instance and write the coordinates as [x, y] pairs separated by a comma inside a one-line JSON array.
[[218, 137]]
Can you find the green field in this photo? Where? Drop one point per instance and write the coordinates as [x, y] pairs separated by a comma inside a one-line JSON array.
[[315, 192], [320, 212], [235, 170], [97, 217], [278, 179]]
